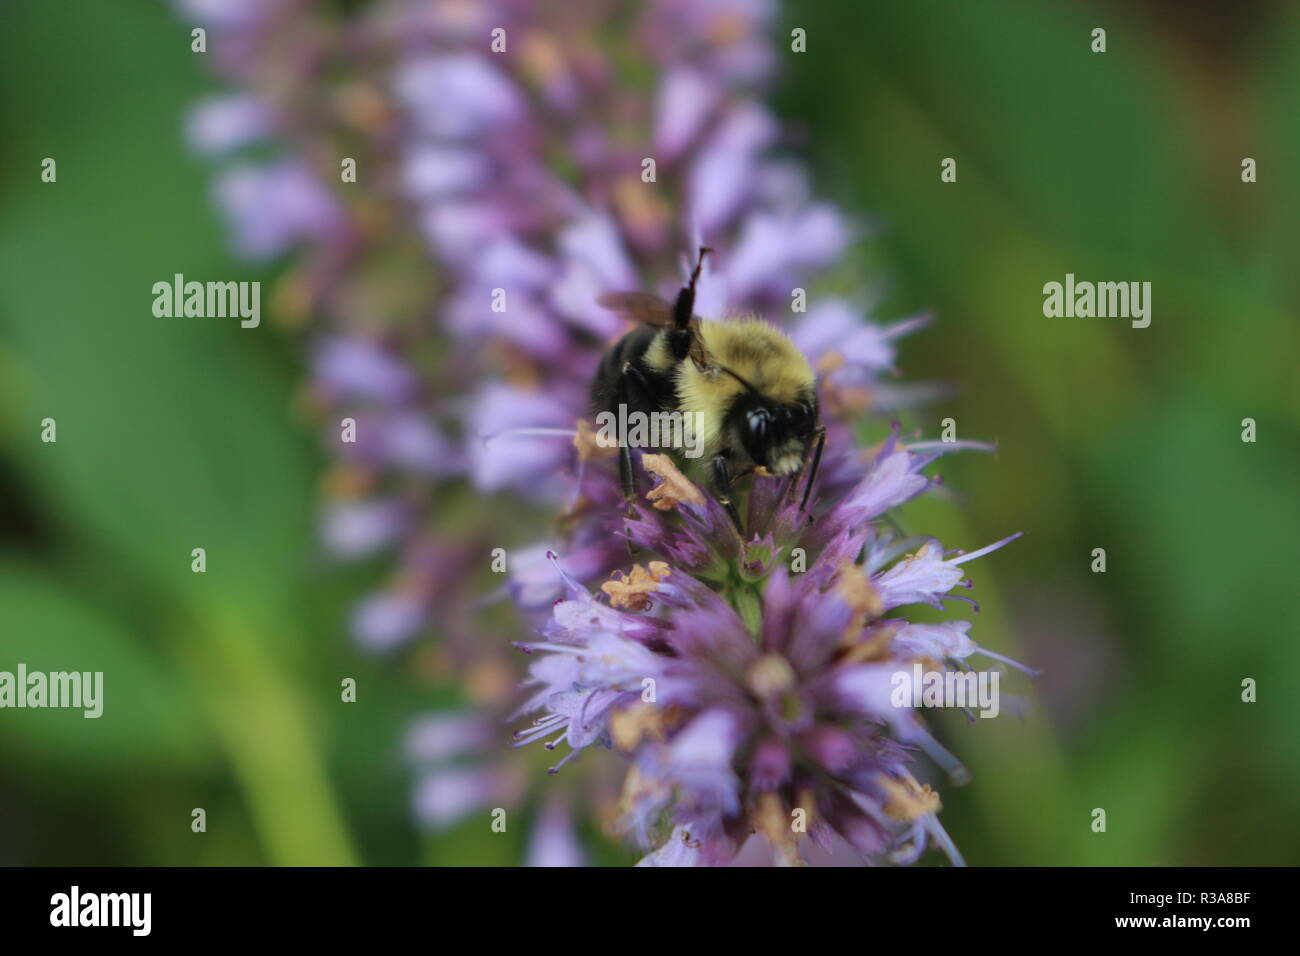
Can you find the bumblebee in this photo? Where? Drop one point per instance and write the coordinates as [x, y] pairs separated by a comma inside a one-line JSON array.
[[749, 387]]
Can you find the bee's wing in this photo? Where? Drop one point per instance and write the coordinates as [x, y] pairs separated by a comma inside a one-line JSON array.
[[649, 309], [639, 307]]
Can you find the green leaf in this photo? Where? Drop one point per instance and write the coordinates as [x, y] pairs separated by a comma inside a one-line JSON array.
[[172, 433], [145, 720]]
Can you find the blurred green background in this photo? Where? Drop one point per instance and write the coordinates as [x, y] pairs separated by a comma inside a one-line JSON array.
[[224, 687]]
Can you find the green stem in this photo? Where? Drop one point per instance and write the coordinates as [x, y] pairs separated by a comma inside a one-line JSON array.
[[746, 602], [261, 721]]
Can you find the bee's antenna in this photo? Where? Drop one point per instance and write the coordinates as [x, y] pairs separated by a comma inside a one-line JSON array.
[[699, 264], [738, 378], [684, 307]]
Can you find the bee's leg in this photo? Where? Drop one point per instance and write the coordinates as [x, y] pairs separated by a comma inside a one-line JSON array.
[[627, 479], [816, 463], [740, 476], [626, 472], [722, 491]]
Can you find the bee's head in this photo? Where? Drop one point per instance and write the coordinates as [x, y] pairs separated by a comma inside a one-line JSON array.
[[775, 435]]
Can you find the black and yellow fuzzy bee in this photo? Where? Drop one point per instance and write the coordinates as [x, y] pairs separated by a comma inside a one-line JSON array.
[[749, 387]]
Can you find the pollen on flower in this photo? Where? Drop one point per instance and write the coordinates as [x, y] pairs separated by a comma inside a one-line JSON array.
[[920, 554], [846, 401], [673, 485], [633, 590], [632, 725], [854, 586], [831, 361], [907, 800], [640, 788], [876, 647], [638, 207], [590, 444], [542, 58], [488, 681], [364, 107], [728, 28], [771, 820], [347, 482]]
